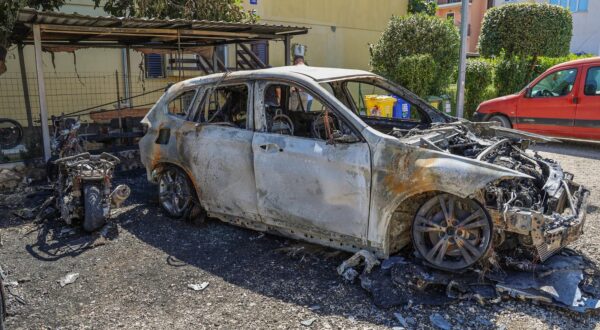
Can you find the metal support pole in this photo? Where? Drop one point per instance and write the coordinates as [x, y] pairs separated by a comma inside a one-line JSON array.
[[215, 63], [288, 50], [25, 86], [119, 102], [129, 79], [462, 67], [39, 68]]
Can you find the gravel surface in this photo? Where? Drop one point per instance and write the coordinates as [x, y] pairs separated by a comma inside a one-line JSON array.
[[144, 274]]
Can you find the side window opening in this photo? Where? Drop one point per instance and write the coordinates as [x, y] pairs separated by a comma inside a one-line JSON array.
[[592, 82], [226, 105], [293, 110], [180, 105], [556, 84], [371, 101]]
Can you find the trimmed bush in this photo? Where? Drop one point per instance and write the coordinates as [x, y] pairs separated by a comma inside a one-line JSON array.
[[478, 83], [417, 35], [415, 72], [526, 29]]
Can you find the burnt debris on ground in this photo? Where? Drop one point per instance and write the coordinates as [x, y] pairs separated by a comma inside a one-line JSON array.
[[563, 281]]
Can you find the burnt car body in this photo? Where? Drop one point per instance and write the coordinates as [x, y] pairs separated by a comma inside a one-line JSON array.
[[291, 151]]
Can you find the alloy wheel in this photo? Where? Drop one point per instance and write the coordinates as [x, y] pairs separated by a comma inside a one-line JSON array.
[[450, 232]]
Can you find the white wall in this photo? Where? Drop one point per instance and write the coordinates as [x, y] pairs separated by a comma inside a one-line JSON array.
[[586, 30]]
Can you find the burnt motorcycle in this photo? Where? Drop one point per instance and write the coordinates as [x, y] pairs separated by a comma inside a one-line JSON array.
[[83, 189]]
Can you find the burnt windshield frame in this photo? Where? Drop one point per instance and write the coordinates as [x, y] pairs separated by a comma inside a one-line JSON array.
[[428, 113]]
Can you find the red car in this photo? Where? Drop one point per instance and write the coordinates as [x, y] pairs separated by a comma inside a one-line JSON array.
[[564, 102]]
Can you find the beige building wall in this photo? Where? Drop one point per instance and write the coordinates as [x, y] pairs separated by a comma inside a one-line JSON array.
[[340, 30], [339, 36]]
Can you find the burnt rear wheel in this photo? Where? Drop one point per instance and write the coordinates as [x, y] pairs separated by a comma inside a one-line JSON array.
[[175, 192], [451, 233]]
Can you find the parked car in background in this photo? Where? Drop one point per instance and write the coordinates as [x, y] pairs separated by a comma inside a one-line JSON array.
[[247, 148], [564, 102]]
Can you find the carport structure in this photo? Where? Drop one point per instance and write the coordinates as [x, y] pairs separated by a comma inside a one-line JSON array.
[[56, 32]]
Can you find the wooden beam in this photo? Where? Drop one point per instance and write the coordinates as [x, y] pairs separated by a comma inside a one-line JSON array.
[[68, 29], [39, 68], [25, 86], [287, 50]]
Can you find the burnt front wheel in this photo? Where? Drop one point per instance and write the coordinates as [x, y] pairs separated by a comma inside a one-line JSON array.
[[94, 214], [175, 192], [451, 233]]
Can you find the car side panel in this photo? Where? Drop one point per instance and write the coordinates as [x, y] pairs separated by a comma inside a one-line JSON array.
[[549, 115], [587, 118], [220, 159]]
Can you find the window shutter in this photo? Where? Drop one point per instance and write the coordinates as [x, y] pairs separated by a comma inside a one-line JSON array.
[[154, 66]]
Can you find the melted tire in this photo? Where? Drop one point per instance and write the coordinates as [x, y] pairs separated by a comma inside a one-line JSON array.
[[173, 180], [94, 215]]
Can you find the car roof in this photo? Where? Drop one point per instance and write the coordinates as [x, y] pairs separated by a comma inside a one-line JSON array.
[[591, 60], [317, 73]]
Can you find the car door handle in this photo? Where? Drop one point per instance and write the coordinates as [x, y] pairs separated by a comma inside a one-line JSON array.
[[271, 147]]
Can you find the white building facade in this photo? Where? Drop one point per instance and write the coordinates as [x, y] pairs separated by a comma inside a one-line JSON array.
[[586, 22]]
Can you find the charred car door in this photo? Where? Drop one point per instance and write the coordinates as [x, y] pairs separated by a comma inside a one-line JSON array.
[[305, 179], [217, 148]]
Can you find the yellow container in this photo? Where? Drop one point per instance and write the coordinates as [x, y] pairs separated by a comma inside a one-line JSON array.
[[380, 105]]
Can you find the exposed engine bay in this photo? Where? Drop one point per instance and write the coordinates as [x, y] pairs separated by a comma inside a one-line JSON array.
[[548, 194]]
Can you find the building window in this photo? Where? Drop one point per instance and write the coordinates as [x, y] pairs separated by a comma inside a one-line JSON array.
[[450, 16], [573, 5], [261, 50], [154, 65]]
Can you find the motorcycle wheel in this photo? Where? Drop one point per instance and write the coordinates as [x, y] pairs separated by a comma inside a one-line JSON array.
[[94, 215], [11, 133]]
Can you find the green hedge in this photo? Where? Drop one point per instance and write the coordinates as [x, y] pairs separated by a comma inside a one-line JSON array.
[[512, 74], [478, 84], [412, 35], [526, 29], [415, 72]]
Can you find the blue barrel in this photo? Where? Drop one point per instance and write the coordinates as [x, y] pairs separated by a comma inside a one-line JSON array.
[[401, 108]]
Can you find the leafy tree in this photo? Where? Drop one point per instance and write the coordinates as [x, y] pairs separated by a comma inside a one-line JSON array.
[[526, 29], [9, 9], [417, 35], [422, 7], [213, 10]]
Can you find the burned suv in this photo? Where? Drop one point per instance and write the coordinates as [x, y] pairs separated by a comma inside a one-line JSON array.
[[301, 152]]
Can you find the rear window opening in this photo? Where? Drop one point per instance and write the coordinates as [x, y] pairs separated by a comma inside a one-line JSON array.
[[226, 105]]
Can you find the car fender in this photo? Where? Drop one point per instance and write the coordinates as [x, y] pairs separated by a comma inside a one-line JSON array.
[[401, 171]]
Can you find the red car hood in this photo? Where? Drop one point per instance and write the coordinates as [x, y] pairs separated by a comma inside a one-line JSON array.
[[501, 99]]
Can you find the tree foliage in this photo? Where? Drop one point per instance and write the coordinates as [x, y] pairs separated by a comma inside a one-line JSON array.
[[526, 29], [9, 9], [213, 10], [417, 35], [422, 7]]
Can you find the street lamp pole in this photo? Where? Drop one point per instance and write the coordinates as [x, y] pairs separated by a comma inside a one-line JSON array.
[[462, 67]]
